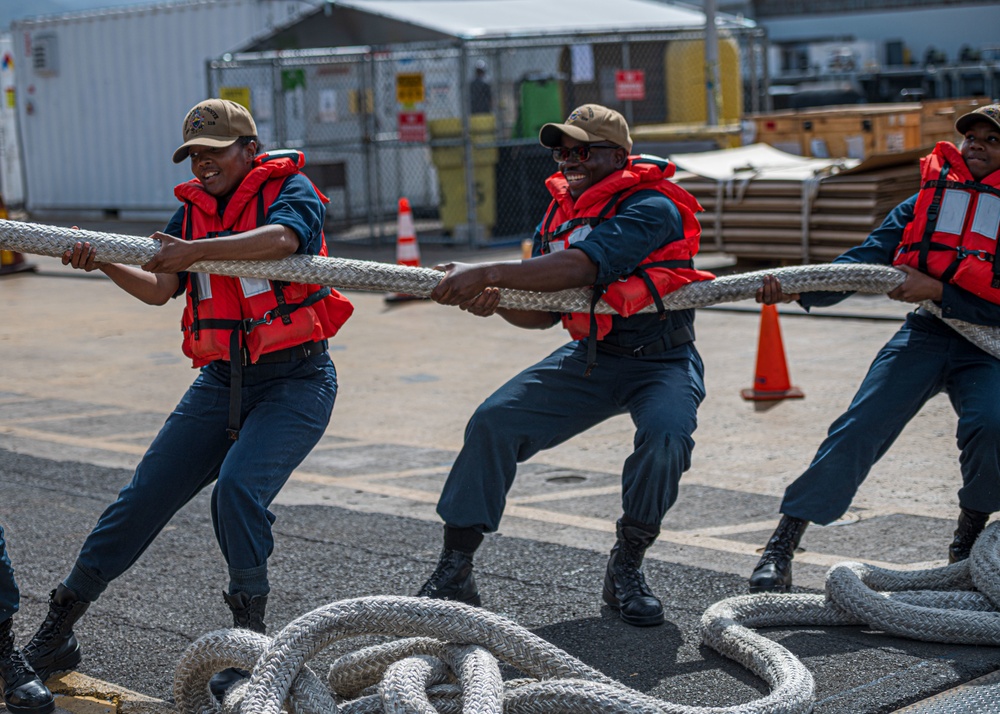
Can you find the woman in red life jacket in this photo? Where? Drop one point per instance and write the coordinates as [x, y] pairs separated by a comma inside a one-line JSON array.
[[944, 239], [266, 385], [615, 223]]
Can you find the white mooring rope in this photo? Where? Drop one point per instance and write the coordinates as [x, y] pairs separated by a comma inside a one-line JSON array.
[[382, 277], [449, 661]]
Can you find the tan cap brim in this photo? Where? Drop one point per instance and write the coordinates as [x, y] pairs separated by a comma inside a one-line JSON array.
[[968, 120], [216, 143], [551, 135]]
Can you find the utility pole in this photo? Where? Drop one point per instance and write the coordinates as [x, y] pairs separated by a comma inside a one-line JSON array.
[[711, 64]]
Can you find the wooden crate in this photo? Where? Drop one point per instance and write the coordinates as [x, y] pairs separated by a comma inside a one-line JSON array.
[[861, 130], [938, 117], [782, 130]]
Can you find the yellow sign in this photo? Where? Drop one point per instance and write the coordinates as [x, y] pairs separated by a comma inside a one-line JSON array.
[[356, 106], [240, 95], [410, 88]]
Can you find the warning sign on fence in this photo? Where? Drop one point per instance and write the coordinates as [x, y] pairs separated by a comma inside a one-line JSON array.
[[410, 88], [412, 126], [630, 84]]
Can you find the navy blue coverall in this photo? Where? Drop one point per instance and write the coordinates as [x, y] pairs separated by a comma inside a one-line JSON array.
[[924, 358]]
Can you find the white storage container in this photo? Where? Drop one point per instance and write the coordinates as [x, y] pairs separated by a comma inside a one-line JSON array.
[[101, 97]]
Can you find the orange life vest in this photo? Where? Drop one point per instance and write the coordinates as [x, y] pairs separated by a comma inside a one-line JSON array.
[[250, 315], [663, 271], [953, 234]]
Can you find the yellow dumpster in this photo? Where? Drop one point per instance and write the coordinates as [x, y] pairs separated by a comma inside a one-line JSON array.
[[450, 164], [687, 100]]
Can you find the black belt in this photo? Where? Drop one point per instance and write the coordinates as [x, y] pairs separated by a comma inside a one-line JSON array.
[[678, 337], [290, 354]]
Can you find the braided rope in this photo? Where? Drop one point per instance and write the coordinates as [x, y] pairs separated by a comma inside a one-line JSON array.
[[449, 661], [371, 276]]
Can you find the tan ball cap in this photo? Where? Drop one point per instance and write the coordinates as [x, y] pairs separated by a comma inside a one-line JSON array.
[[214, 122], [989, 113], [589, 123]]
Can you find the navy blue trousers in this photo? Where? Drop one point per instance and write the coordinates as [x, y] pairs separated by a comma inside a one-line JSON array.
[[552, 401], [921, 360], [10, 598], [286, 409]]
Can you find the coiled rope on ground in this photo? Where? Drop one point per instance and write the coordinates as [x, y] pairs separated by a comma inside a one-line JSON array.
[[348, 274], [449, 659]]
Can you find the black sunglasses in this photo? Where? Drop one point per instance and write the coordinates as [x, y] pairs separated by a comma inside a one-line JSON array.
[[577, 153]]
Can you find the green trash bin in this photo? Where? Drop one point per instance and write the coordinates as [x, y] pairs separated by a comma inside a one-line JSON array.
[[540, 101], [450, 164]]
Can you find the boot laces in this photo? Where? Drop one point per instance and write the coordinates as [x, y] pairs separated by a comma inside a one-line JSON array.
[[628, 571], [447, 569], [50, 627], [633, 582], [779, 550], [968, 531], [19, 667]]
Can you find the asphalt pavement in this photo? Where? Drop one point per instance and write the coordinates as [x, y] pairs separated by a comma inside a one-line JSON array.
[[89, 375]]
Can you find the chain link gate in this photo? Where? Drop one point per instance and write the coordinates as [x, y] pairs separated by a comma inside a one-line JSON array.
[[453, 126]]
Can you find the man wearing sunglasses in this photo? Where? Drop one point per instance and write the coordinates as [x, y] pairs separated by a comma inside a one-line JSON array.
[[615, 224]]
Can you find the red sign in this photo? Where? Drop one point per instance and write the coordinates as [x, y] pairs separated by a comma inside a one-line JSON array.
[[630, 84], [412, 126]]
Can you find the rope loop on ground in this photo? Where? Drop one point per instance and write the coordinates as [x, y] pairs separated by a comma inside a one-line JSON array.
[[449, 659]]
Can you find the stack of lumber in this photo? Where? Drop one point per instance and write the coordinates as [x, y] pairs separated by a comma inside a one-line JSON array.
[[809, 214]]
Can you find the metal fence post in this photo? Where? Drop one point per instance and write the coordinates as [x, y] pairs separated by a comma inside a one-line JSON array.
[[470, 182]]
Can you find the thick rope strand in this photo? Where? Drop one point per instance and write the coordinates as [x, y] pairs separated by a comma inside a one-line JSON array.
[[382, 277]]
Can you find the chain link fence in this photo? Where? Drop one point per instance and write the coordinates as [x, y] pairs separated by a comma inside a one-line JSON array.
[[453, 127]]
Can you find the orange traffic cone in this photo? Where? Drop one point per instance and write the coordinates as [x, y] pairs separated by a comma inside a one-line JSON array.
[[770, 381], [407, 250], [11, 262]]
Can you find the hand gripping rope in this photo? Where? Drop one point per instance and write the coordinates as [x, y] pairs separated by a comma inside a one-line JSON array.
[[382, 277]]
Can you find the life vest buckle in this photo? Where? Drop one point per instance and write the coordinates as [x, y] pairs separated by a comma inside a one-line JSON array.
[[964, 252], [266, 319]]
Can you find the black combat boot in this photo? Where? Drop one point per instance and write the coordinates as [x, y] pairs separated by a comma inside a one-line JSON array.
[[625, 586], [452, 579], [54, 647], [248, 613], [970, 525], [23, 691], [774, 571]]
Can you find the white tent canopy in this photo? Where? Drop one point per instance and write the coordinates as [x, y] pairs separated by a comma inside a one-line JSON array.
[[346, 23], [481, 19]]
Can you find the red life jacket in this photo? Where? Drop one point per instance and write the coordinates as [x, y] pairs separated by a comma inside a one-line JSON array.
[[953, 234], [256, 316], [663, 271]]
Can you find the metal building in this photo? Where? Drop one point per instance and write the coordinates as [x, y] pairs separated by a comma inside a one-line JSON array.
[[383, 98], [100, 97]]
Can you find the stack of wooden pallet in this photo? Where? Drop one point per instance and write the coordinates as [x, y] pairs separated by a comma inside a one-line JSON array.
[[811, 217]]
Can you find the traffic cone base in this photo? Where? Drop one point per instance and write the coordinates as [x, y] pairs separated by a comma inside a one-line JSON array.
[[770, 381], [11, 262], [754, 395]]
